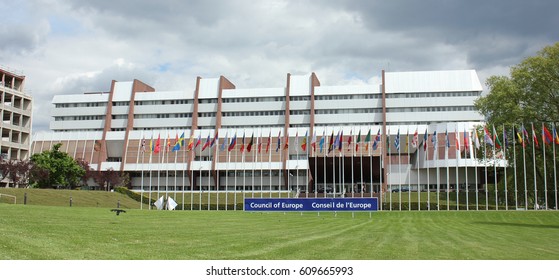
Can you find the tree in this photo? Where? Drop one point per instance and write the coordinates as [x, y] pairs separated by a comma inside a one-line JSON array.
[[528, 98], [16, 171], [530, 94], [110, 179], [60, 169], [89, 172]]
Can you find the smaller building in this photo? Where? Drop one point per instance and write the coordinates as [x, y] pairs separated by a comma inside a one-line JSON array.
[[17, 108]]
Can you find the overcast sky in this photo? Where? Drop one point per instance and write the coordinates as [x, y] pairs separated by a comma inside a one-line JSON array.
[[71, 47]]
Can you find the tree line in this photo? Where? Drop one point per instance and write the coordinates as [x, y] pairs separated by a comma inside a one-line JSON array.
[[56, 169]]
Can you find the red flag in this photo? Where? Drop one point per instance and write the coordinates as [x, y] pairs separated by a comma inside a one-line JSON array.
[[269, 142], [157, 144], [546, 136], [535, 137]]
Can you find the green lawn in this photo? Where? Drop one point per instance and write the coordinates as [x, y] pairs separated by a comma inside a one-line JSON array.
[[47, 232]]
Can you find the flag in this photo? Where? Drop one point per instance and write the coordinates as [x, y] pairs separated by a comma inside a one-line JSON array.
[[496, 139], [466, 144], [476, 139], [157, 147], [377, 139], [178, 143], [269, 142], [313, 141], [286, 145], [397, 141], [434, 140], [546, 135], [190, 142], [207, 144], [331, 144], [159, 203], [199, 140], [214, 140], [534, 136], [349, 140], [415, 139], [225, 142], [171, 203], [321, 143], [407, 141], [367, 140], [249, 147], [279, 141], [505, 138], [447, 144], [555, 135], [388, 141], [304, 143], [168, 143], [259, 140], [144, 144], [233, 143], [425, 140], [296, 140], [526, 137], [520, 139], [457, 139], [487, 137], [340, 141], [242, 149], [151, 145], [357, 141]]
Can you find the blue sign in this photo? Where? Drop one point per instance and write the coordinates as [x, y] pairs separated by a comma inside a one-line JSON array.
[[311, 204]]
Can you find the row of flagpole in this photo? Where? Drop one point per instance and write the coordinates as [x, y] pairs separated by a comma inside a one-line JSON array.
[[498, 151]]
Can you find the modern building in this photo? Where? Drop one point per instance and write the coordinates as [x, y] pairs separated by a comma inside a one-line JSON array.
[[120, 129], [17, 108]]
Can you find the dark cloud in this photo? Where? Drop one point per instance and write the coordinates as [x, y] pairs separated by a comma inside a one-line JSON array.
[[488, 32]]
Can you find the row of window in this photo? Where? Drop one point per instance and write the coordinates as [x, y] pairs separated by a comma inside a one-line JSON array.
[[272, 99], [347, 111], [163, 116], [253, 113], [347, 96], [254, 99], [81, 118], [80, 105], [163, 102], [433, 94], [430, 109]]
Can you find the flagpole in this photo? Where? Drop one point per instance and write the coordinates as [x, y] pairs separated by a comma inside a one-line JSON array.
[[399, 173], [534, 164], [446, 159], [361, 165], [476, 144], [417, 167], [228, 155], [524, 161], [215, 146], [142, 176], [184, 172], [544, 142], [150, 169], [428, 164], [436, 159], [381, 172], [389, 167], [554, 162], [457, 155], [485, 164], [408, 162], [505, 165], [514, 162], [495, 170], [350, 148], [209, 169], [466, 150]]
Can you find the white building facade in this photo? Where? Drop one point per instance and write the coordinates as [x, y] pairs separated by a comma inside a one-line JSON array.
[[343, 156]]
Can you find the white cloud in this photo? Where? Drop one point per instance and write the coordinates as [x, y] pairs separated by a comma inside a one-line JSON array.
[[68, 47]]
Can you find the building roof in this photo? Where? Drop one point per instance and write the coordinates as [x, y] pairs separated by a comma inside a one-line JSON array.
[[432, 81]]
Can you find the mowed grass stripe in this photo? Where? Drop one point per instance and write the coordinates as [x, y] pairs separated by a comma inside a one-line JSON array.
[[40, 232]]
